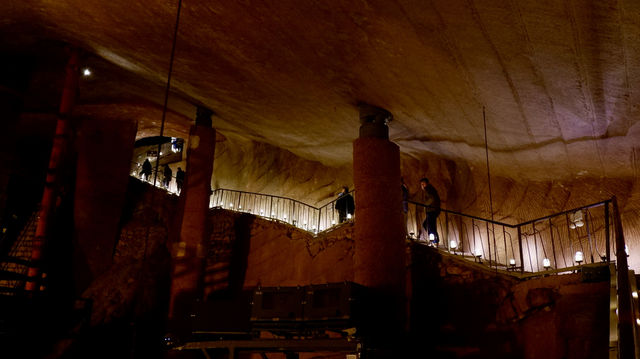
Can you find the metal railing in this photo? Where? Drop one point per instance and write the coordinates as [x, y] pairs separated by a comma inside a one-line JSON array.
[[551, 243], [296, 213]]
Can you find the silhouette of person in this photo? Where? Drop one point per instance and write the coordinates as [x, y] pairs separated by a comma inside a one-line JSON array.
[[167, 176], [145, 173], [405, 201], [431, 200], [344, 204], [179, 179]]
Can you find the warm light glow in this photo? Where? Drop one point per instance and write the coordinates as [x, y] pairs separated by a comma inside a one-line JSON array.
[[512, 262], [453, 244], [634, 294], [638, 321], [86, 72], [579, 257], [333, 221], [261, 211], [348, 215], [546, 263], [431, 237], [626, 250], [478, 252], [239, 207], [231, 205]]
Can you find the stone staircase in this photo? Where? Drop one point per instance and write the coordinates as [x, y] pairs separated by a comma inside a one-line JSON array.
[[15, 264]]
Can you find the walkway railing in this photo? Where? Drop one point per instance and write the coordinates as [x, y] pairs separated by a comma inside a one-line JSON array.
[[551, 243], [279, 208]]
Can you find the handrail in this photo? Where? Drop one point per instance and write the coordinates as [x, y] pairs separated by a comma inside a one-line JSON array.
[[519, 224]]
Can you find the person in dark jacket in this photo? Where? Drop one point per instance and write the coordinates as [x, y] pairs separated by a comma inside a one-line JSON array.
[[431, 200], [167, 176], [145, 173], [345, 205], [179, 179]]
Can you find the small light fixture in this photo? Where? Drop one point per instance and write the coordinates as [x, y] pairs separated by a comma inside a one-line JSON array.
[[512, 262], [239, 207], [333, 221], [231, 205], [546, 263], [348, 215], [478, 253], [273, 214], [261, 212], [579, 257], [626, 250], [634, 294], [638, 321], [453, 245], [86, 72]]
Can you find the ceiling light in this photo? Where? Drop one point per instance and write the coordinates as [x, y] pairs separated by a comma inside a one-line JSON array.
[[86, 72]]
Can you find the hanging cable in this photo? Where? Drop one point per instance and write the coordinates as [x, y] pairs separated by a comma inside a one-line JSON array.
[[486, 150], [168, 87]]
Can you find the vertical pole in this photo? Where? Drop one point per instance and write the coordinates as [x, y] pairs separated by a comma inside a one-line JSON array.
[[535, 246], [56, 160], [553, 245], [606, 230], [521, 253], [488, 242], [586, 220], [625, 316]]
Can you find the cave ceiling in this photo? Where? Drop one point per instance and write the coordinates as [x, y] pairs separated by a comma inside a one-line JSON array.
[[559, 80]]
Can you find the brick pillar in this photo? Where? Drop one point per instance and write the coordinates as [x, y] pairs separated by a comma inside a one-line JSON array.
[[379, 259], [59, 155], [189, 253]]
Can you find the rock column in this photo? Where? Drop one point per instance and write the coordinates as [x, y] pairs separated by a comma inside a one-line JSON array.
[[189, 252], [379, 228]]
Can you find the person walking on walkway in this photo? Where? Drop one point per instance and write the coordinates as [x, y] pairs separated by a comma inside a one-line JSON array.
[[179, 179], [167, 176], [145, 173], [345, 205], [431, 200]]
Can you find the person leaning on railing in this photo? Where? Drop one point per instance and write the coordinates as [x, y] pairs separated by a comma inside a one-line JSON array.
[[431, 199]]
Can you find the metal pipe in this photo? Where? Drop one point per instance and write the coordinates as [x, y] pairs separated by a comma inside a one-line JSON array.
[[586, 221], [606, 231], [553, 245]]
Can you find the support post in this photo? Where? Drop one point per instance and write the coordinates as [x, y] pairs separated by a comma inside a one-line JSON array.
[[59, 153], [379, 260], [189, 253]]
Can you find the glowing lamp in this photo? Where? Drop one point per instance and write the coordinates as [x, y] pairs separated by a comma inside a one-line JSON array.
[[478, 253], [453, 244], [86, 72], [431, 237], [546, 263], [634, 294], [579, 257], [348, 215], [512, 262]]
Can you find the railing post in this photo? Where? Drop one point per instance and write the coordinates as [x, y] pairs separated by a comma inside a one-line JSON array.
[[520, 249], [586, 221], [553, 245], [606, 230], [488, 242], [626, 342]]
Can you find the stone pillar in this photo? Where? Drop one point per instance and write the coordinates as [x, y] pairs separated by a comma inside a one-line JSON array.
[[59, 155], [379, 229], [189, 253]]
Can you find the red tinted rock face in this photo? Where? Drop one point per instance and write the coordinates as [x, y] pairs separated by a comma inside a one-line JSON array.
[[246, 251], [104, 151]]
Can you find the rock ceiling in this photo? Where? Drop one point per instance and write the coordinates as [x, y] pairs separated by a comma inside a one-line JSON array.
[[559, 79]]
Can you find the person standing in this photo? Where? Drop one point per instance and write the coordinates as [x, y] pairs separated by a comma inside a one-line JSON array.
[[179, 179], [145, 173], [167, 176], [344, 205], [405, 201], [431, 200]]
